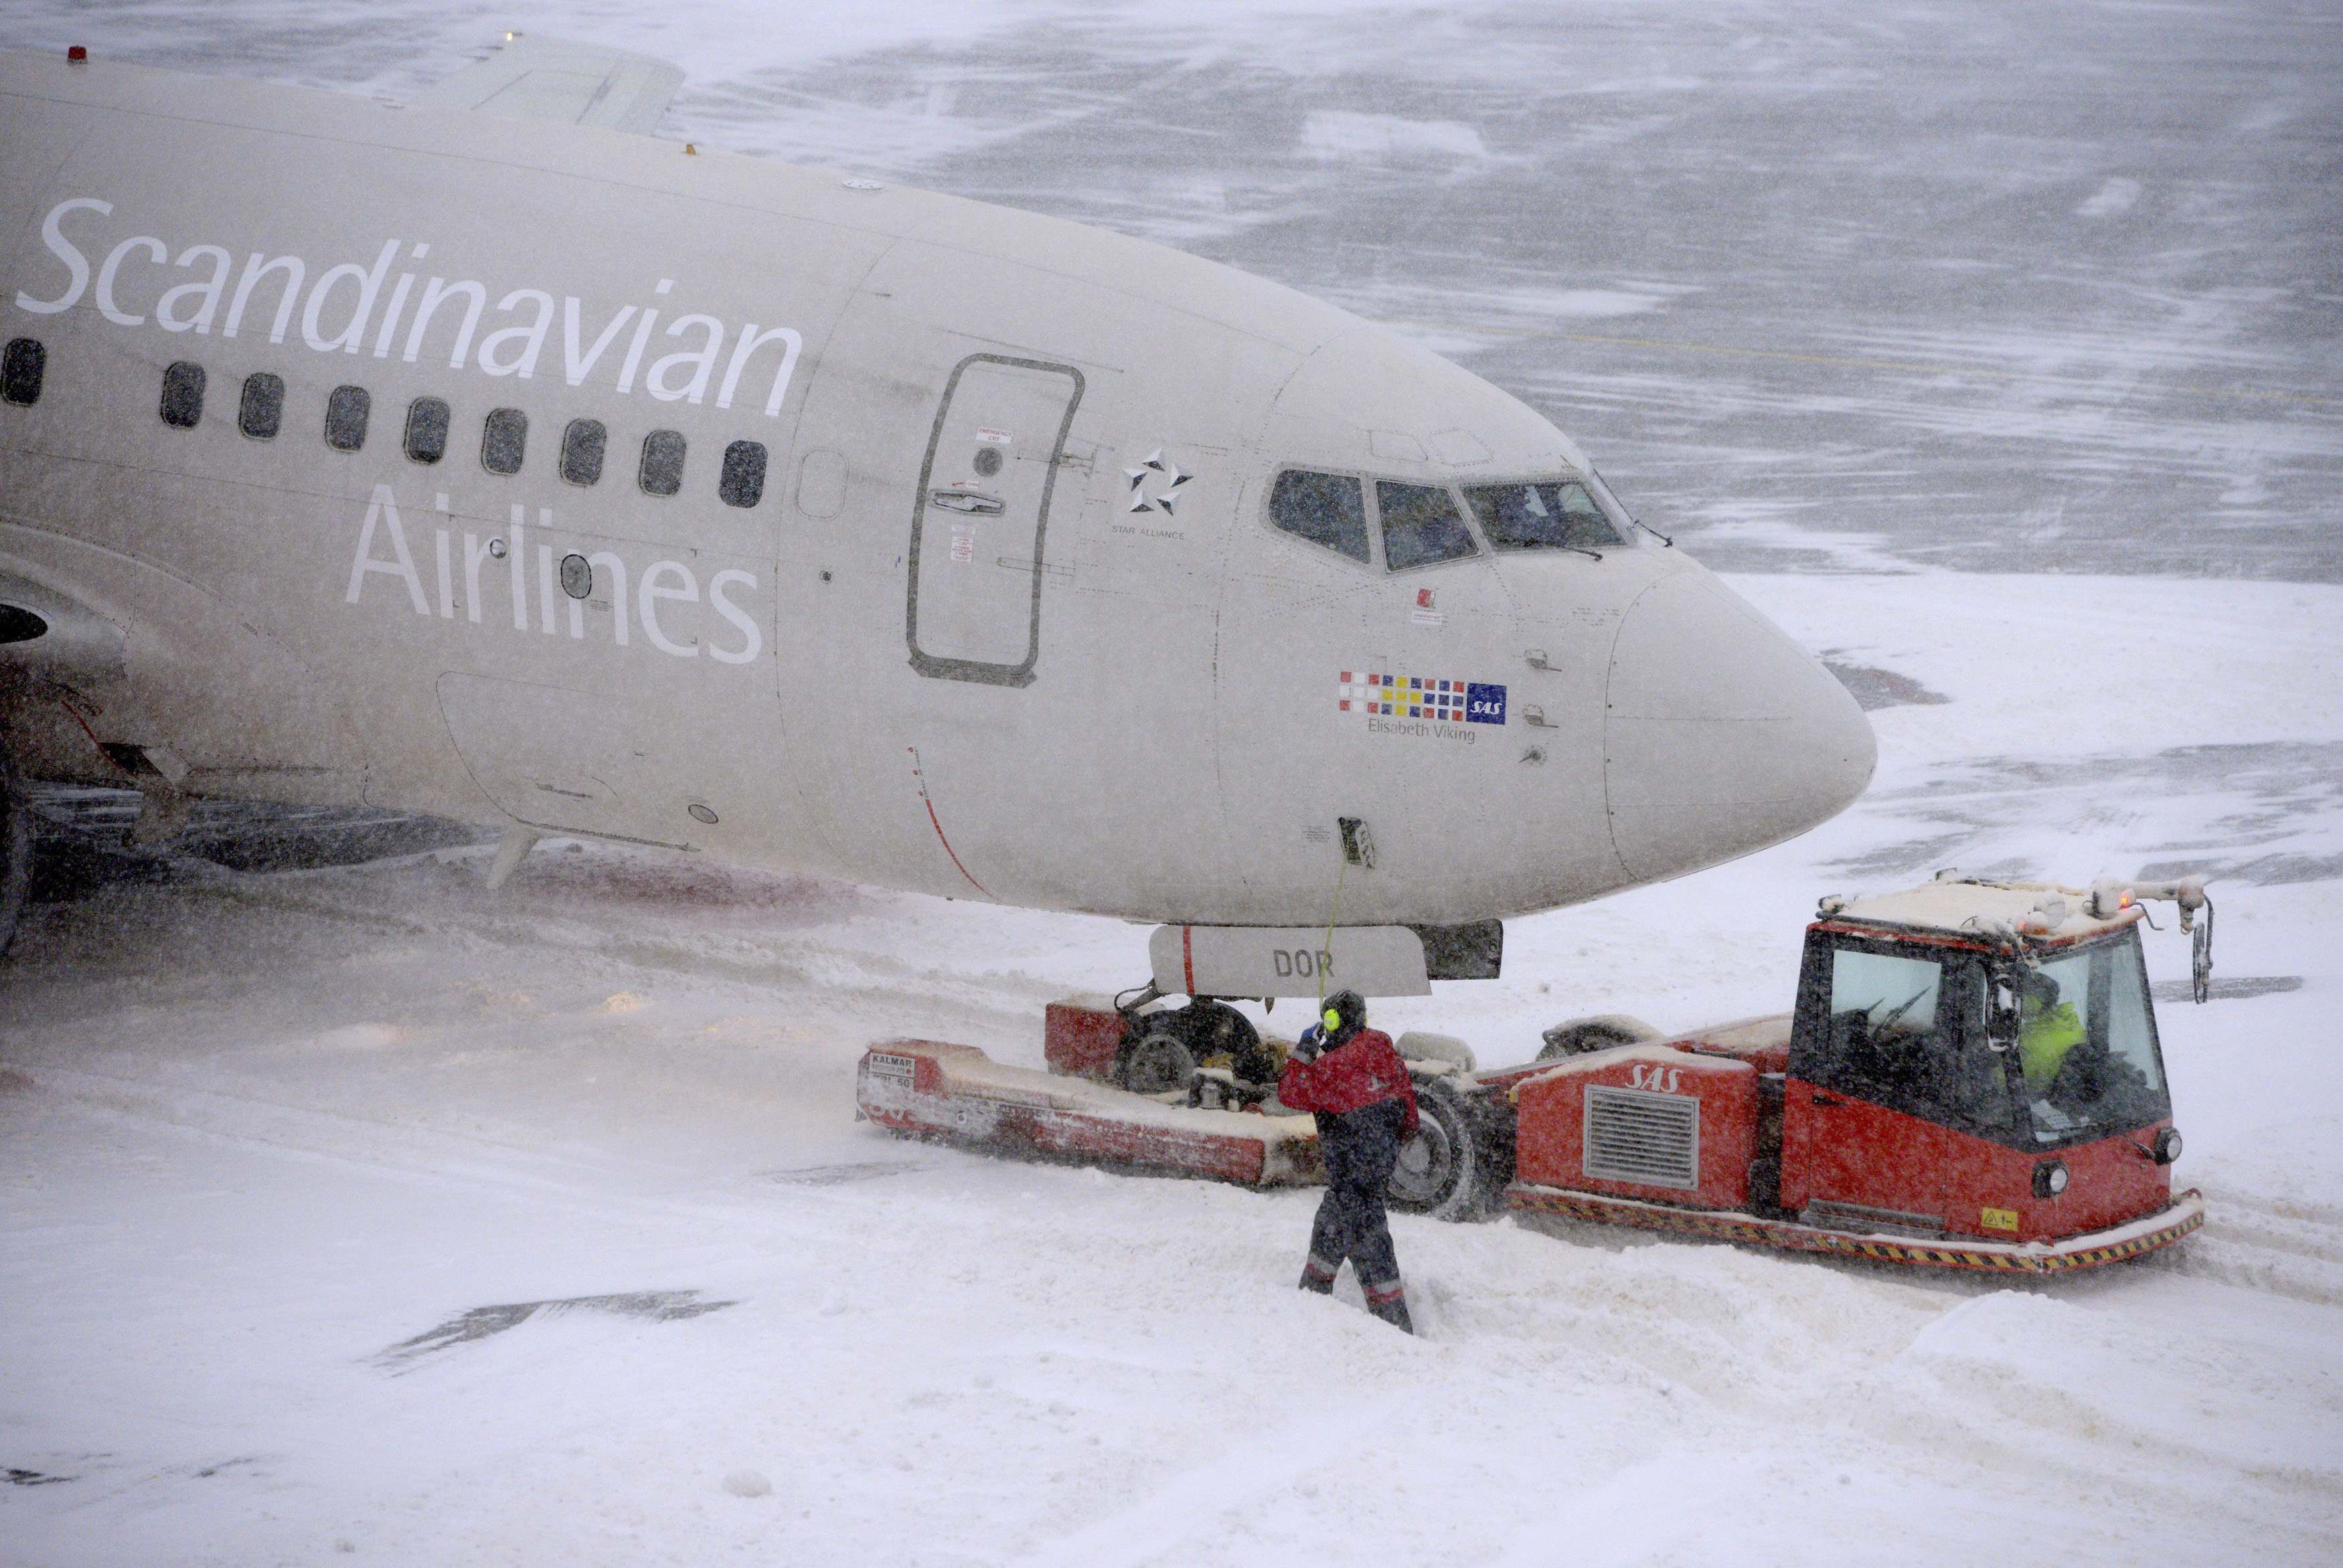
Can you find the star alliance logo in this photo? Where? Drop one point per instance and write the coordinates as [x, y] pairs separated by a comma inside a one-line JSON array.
[[1155, 465]]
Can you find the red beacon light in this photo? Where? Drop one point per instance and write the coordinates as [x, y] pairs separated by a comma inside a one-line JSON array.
[[77, 55]]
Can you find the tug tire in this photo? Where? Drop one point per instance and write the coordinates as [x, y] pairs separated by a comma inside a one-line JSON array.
[[15, 850], [1442, 1170], [1581, 1035]]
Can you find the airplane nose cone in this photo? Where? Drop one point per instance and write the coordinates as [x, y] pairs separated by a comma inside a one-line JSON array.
[[1721, 735]]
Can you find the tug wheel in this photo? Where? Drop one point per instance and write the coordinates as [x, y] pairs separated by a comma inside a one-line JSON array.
[[16, 848], [1581, 1035], [1440, 1169], [1157, 1062]]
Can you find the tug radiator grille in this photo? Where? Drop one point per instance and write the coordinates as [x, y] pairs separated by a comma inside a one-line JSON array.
[[1634, 1135]]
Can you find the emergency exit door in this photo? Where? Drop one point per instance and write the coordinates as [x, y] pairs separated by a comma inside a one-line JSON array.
[[982, 518]]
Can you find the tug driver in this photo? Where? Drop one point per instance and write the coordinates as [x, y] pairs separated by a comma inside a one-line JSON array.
[[2064, 1068], [2047, 1030], [1353, 1079]]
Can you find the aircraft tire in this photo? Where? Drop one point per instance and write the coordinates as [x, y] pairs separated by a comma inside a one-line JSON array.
[[1157, 1062], [1443, 1169], [15, 850]]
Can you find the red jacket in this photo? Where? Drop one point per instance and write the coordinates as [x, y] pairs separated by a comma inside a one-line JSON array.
[[1364, 1071]]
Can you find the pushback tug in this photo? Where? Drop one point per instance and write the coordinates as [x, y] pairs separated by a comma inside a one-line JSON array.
[[1969, 1079]]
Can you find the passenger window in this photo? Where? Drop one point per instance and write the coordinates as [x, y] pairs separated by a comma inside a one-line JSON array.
[[582, 451], [503, 441], [662, 470], [742, 482], [1421, 526], [183, 395], [1553, 514], [427, 429], [262, 413], [346, 408], [21, 370], [1329, 509]]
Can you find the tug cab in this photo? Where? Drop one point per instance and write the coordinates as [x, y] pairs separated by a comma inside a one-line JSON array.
[[1962, 1065], [1969, 1079]]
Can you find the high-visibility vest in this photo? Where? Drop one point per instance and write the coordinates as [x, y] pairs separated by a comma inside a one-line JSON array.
[[2044, 1039]]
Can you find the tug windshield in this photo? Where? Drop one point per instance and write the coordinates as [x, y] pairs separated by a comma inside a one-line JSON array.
[[1545, 514], [2086, 1043]]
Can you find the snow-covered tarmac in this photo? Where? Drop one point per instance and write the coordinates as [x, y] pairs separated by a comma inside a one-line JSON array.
[[358, 1213], [286, 1161]]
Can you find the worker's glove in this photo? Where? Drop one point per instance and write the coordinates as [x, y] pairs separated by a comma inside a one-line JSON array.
[[1306, 1048]]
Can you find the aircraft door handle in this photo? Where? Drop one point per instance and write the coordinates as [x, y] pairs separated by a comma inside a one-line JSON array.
[[1534, 716], [1536, 657], [1828, 1100], [968, 501]]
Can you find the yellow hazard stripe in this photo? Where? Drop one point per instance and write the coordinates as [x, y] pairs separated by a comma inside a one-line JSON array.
[[1925, 1254]]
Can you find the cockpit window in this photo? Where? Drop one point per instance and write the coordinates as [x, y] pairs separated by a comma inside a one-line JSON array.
[[1329, 509], [1544, 515], [1421, 525]]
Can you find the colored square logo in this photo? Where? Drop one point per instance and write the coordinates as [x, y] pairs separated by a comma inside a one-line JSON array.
[[1485, 704]]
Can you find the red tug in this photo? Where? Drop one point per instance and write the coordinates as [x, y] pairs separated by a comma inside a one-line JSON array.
[[1970, 1079]]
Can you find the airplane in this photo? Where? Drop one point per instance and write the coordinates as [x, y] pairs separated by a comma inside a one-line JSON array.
[[491, 458]]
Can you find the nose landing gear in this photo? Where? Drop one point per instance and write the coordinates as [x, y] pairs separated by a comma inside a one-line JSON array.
[[1162, 1048]]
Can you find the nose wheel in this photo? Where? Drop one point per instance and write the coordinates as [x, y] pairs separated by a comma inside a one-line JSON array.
[[1162, 1049]]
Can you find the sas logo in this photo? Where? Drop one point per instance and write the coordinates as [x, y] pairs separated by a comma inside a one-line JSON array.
[[1421, 697], [1658, 1079]]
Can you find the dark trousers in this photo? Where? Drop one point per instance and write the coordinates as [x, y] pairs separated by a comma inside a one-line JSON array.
[[1359, 1148]]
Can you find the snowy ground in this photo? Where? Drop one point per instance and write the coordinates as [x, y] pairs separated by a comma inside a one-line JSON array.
[[259, 1131], [353, 1211]]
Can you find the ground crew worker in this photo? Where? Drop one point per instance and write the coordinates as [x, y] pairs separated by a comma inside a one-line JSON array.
[[1353, 1077], [2047, 1029]]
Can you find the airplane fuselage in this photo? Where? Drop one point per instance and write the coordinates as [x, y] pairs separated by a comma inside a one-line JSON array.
[[525, 474]]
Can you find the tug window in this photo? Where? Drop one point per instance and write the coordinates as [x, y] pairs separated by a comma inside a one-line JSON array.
[[1554, 514], [183, 395], [1421, 526], [1329, 509], [346, 408], [742, 482], [662, 470], [582, 451], [503, 441], [262, 413], [21, 370], [427, 429], [1906, 1033]]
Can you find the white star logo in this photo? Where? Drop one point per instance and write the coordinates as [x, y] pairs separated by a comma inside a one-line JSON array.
[[1155, 465]]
